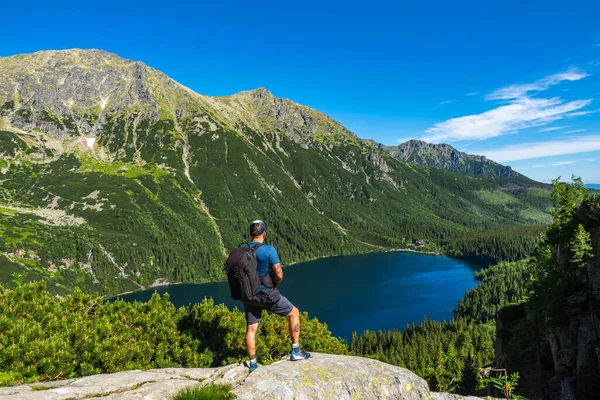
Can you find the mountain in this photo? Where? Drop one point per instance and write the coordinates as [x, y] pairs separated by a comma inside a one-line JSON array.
[[446, 157], [115, 177]]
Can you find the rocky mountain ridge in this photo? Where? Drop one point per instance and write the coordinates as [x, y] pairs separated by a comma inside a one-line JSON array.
[[446, 157], [322, 377], [75, 92]]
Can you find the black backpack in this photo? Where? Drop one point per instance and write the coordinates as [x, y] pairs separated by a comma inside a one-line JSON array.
[[242, 272]]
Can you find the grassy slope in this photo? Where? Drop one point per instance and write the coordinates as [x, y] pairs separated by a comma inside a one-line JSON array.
[[156, 223]]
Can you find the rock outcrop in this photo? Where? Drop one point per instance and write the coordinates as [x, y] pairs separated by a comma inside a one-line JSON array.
[[322, 377]]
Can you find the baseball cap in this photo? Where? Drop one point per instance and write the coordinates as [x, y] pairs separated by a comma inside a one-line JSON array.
[[257, 228]]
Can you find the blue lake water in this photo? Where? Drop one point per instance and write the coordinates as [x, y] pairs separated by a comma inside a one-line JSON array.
[[354, 293]]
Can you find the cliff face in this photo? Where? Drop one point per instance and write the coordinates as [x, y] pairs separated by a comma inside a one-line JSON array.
[[565, 361], [322, 377]]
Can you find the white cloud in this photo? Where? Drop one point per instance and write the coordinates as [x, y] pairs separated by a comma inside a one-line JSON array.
[[552, 128], [561, 163], [527, 151], [523, 90], [520, 112], [553, 164], [576, 130], [472, 94], [446, 102], [580, 113]]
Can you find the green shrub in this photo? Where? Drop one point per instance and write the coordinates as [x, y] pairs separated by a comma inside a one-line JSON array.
[[212, 392], [44, 337], [221, 333], [10, 378]]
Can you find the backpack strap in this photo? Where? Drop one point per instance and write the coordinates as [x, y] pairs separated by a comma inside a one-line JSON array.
[[256, 246], [267, 281]]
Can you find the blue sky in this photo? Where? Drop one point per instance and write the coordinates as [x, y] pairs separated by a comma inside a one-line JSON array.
[[518, 81]]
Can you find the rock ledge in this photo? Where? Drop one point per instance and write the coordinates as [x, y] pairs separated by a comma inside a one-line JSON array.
[[324, 376]]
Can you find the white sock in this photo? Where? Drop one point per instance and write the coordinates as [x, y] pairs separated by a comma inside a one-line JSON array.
[[295, 346], [253, 361]]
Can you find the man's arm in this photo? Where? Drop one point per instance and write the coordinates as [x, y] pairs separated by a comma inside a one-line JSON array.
[[277, 275], [275, 263]]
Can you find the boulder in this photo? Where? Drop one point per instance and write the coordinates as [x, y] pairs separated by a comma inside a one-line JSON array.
[[335, 377]]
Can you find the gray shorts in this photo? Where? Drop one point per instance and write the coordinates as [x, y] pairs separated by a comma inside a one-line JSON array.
[[267, 299]]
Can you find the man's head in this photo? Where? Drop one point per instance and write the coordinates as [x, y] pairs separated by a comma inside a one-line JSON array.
[[258, 228]]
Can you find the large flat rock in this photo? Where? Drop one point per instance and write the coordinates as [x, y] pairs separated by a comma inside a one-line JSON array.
[[323, 376], [326, 376]]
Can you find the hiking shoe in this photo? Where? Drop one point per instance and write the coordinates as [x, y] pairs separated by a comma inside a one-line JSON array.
[[252, 366], [298, 354]]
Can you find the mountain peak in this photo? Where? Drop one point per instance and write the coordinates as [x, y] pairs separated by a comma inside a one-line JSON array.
[[258, 92], [73, 92], [51, 58], [446, 157], [422, 144], [254, 95], [265, 112]]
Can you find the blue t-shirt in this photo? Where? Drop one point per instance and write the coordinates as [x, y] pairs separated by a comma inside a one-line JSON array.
[[266, 256]]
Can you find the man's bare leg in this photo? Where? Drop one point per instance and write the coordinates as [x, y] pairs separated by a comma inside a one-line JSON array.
[[294, 317], [296, 353], [251, 340]]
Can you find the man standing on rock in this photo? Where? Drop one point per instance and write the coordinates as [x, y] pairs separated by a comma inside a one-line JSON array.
[[269, 299]]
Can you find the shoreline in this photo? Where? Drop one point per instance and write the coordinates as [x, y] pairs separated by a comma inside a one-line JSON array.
[[164, 283], [419, 252], [161, 282]]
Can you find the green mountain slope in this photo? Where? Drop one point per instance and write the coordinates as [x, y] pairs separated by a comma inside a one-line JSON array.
[[114, 177], [446, 157]]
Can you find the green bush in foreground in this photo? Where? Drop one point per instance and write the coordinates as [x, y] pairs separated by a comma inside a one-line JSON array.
[[43, 337], [212, 392]]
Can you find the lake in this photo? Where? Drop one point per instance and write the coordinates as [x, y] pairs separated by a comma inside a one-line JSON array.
[[354, 293]]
